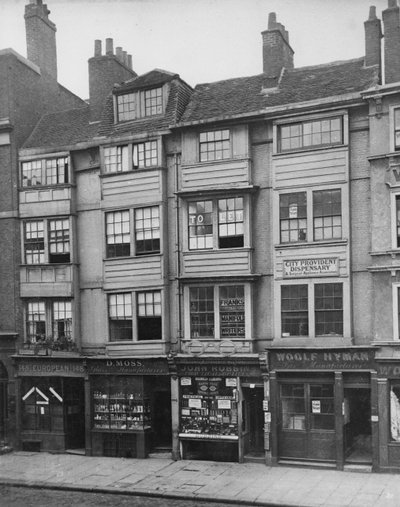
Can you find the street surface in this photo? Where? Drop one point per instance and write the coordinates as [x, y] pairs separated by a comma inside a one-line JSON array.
[[33, 497]]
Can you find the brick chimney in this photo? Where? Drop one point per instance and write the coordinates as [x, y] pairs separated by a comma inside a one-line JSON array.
[[277, 52], [41, 37], [373, 35], [105, 71], [391, 26]]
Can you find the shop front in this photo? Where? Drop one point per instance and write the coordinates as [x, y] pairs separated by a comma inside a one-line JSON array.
[[221, 409], [130, 407], [50, 404], [323, 406]]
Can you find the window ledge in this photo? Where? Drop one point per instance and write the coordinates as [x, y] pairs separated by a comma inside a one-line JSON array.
[[128, 257], [133, 171], [310, 244], [290, 153], [44, 187], [215, 162], [393, 252], [207, 251]]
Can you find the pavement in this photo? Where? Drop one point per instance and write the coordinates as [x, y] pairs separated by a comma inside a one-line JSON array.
[[235, 483]]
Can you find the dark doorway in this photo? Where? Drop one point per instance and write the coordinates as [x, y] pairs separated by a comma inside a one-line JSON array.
[[357, 425], [254, 420], [74, 412], [3, 401], [162, 419]]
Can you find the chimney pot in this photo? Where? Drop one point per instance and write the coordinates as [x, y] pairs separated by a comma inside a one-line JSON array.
[[118, 53], [372, 13], [97, 47], [130, 61], [391, 25], [271, 20], [392, 3], [125, 58], [109, 46]]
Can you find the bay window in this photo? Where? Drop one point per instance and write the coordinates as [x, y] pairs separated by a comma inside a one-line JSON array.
[[217, 311], [310, 134], [51, 171], [49, 320], [217, 223], [47, 241], [214, 145], [130, 156]]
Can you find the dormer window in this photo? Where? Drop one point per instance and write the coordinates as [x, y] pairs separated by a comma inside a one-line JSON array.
[[140, 104], [51, 171]]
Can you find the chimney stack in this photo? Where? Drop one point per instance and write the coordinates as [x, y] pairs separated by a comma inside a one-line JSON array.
[[277, 52], [391, 26], [373, 35], [41, 37], [104, 72]]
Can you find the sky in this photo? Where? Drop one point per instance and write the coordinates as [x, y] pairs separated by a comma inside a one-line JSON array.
[[201, 40]]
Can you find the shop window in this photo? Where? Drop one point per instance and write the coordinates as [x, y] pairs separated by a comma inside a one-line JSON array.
[[322, 407], [327, 309], [327, 214], [215, 145], [49, 321], [293, 407], [147, 230], [129, 157], [47, 241], [146, 226], [217, 311], [54, 171], [323, 216], [395, 411], [208, 407], [118, 237], [293, 217], [310, 134], [42, 407], [131, 106], [149, 315], [226, 232], [120, 316]]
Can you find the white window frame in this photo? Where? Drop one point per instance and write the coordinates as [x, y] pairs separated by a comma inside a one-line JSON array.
[[213, 132], [135, 315], [392, 129], [310, 218], [139, 97], [395, 305], [49, 317], [130, 147], [311, 282], [215, 233], [217, 337], [46, 239], [43, 161], [393, 213], [132, 231]]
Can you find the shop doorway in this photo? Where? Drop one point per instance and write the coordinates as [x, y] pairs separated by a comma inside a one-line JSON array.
[[74, 413], [253, 421], [306, 426], [357, 425], [162, 425]]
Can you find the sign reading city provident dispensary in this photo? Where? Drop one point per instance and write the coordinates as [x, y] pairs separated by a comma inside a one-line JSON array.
[[331, 359], [322, 266]]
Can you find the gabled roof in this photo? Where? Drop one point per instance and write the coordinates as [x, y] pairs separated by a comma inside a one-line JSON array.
[[249, 95], [64, 128], [152, 78]]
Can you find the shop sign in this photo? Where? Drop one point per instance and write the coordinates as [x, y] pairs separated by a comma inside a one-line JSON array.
[[51, 368], [129, 366], [322, 266], [221, 370], [323, 360], [186, 381], [388, 370]]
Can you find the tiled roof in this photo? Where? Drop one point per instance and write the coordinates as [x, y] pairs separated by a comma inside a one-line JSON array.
[[153, 78], [64, 128], [247, 95]]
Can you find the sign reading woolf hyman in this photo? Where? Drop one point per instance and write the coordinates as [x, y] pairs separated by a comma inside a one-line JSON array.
[[321, 266]]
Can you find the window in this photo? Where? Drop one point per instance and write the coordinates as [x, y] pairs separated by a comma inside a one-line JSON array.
[[293, 407], [321, 220], [117, 234], [397, 128], [42, 408], [120, 317], [310, 134], [395, 411], [327, 309], [397, 221], [327, 214], [228, 215], [131, 106], [215, 145], [47, 241], [147, 315], [147, 230], [293, 217], [217, 311], [153, 102], [130, 157], [49, 320], [146, 225], [45, 172]]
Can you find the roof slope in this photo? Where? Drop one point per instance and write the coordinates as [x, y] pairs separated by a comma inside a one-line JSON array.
[[250, 94], [64, 128]]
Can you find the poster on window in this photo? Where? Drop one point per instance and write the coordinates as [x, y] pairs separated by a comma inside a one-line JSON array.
[[194, 403], [224, 404], [316, 406]]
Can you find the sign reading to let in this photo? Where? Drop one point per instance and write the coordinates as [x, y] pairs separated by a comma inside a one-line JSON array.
[[311, 267]]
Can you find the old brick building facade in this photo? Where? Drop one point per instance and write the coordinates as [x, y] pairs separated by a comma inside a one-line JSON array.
[[214, 271]]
